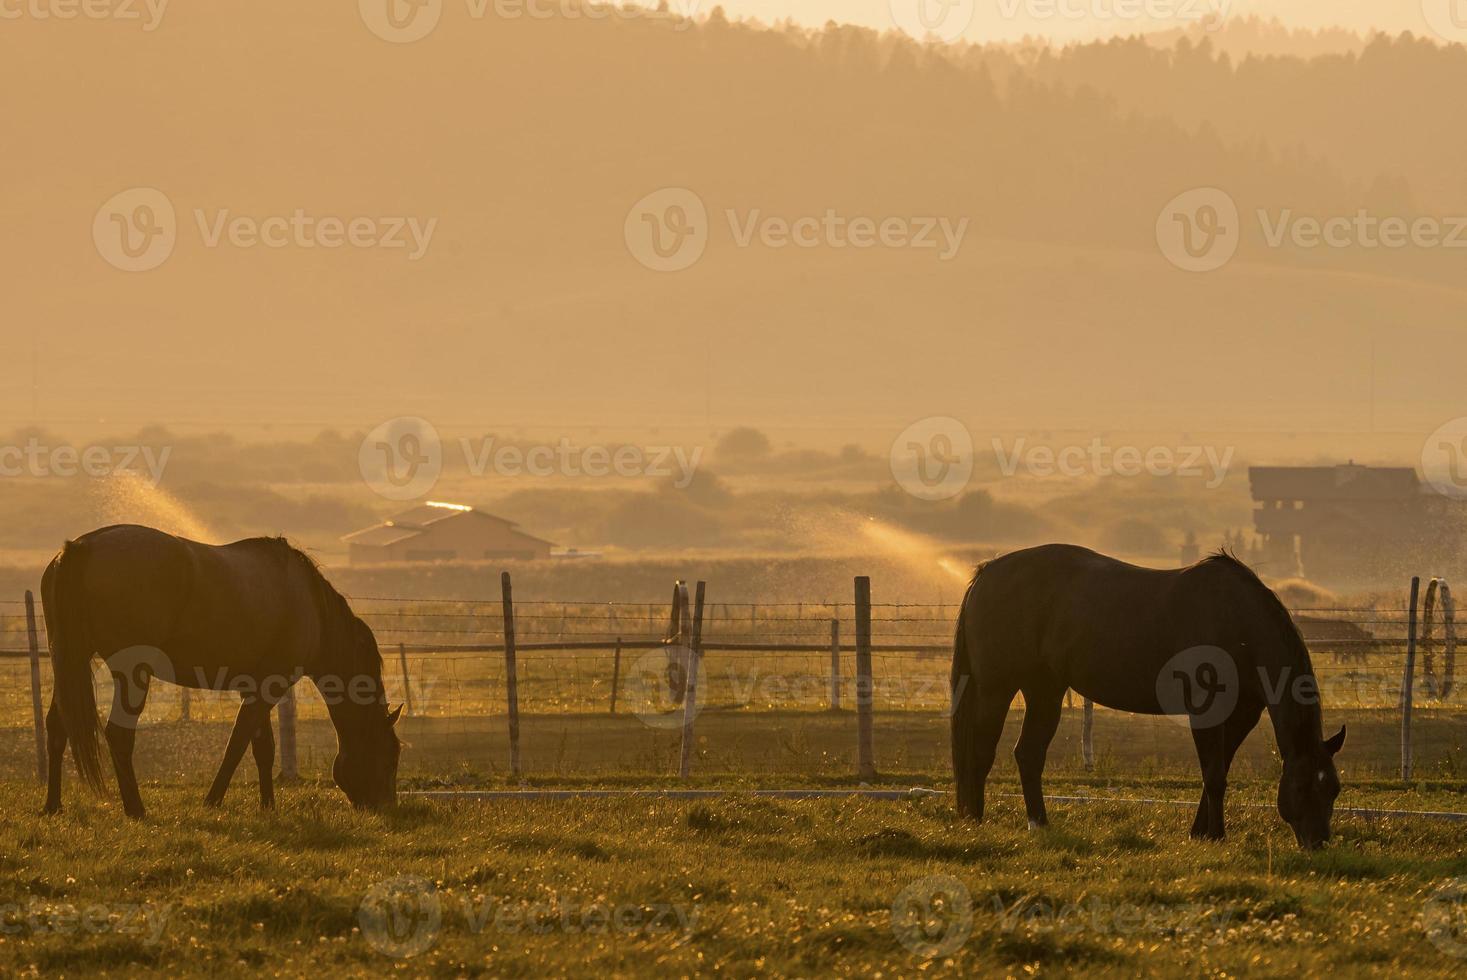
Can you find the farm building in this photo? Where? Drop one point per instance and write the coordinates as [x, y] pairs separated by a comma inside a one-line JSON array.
[[443, 532], [1352, 524]]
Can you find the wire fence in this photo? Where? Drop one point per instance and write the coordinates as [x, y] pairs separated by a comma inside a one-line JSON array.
[[777, 692]]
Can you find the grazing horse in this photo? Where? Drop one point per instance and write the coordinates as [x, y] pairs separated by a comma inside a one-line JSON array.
[[1209, 642], [252, 617]]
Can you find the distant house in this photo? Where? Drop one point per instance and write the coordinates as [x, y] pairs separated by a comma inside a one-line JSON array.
[[1353, 524], [444, 532]]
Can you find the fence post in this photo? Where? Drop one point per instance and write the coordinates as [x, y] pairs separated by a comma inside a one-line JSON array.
[[1087, 735], [835, 665], [675, 620], [615, 673], [690, 698], [865, 749], [1426, 643], [407, 686], [288, 767], [185, 704], [1449, 642], [30, 625], [511, 675], [1406, 682], [677, 639]]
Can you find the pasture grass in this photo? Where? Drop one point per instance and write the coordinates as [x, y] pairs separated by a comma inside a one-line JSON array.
[[783, 744], [738, 886]]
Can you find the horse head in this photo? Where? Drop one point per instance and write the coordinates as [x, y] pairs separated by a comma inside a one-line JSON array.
[[368, 748], [1308, 789], [366, 759]]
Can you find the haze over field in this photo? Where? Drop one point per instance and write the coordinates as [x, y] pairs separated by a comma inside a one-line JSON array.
[[255, 231]]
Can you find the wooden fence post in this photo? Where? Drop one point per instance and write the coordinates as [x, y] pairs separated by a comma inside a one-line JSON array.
[[835, 665], [865, 692], [690, 699], [407, 685], [1406, 682], [185, 704], [1449, 642], [615, 673], [1426, 643], [511, 675], [675, 617], [678, 628], [289, 769], [1087, 735], [30, 625]]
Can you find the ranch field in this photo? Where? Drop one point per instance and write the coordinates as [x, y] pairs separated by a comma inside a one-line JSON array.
[[736, 886]]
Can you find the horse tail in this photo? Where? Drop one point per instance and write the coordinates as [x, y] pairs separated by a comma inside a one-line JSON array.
[[71, 664], [965, 717]]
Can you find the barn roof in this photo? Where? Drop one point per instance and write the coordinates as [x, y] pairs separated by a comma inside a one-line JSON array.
[[431, 512], [1345, 482], [382, 535], [415, 521]]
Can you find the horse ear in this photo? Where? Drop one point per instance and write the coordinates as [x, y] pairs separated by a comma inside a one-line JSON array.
[[1335, 742], [392, 715]]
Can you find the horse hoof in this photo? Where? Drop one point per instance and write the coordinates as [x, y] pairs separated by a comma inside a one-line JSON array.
[[213, 803]]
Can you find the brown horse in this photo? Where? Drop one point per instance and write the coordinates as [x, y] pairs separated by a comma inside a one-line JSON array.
[[253, 617], [1209, 643]]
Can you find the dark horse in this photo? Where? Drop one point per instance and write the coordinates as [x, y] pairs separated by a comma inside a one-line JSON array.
[[1209, 642], [252, 617]]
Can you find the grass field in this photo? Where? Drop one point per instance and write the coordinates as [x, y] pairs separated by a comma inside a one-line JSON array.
[[737, 742], [738, 886], [732, 886]]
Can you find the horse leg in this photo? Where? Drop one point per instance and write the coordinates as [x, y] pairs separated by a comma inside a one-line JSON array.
[[130, 694], [1212, 758], [1041, 719], [977, 727], [55, 756], [1199, 822], [252, 711], [264, 746], [1209, 820]]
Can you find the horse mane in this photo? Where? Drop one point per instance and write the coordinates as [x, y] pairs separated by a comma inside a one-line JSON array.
[[977, 571], [1281, 615], [339, 624], [1224, 557]]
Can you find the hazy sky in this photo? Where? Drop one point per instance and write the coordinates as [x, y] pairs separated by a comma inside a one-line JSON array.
[[1068, 19]]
